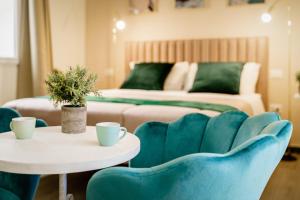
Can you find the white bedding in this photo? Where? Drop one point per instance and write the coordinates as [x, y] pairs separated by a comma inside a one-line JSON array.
[[254, 100]]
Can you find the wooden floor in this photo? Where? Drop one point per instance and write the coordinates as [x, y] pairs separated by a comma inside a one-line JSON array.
[[284, 184]]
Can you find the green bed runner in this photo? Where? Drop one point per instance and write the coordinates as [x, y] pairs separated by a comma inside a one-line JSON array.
[[188, 104]]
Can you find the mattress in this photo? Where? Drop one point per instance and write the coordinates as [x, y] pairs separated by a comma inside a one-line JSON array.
[[131, 116]]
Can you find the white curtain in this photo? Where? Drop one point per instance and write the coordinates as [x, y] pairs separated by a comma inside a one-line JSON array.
[[24, 86], [35, 48]]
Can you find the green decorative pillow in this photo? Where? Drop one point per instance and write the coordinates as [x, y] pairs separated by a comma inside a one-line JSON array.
[[148, 76], [218, 77]]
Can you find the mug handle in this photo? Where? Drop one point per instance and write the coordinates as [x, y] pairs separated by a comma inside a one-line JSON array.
[[124, 130], [11, 126]]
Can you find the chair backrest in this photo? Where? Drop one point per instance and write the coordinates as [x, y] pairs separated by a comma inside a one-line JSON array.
[[242, 173], [22, 185], [196, 133], [40, 123], [6, 115]]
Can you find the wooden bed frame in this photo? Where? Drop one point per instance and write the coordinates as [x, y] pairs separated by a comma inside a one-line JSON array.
[[247, 49]]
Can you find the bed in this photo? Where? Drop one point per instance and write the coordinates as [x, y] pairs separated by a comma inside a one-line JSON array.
[[202, 50]]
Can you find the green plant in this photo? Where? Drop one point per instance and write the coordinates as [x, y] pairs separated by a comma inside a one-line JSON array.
[[71, 87], [298, 76]]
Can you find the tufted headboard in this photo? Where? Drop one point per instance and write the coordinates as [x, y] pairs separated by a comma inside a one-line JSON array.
[[245, 49]]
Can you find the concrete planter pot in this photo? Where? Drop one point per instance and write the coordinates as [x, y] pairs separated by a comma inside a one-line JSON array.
[[73, 119]]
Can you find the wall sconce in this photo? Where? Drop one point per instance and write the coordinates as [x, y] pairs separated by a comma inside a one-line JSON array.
[[120, 25], [266, 17]]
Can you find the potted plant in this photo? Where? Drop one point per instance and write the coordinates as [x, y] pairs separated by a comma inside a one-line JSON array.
[[69, 89], [298, 79]]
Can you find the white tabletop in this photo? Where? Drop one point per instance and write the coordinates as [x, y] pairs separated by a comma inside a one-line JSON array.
[[53, 152]]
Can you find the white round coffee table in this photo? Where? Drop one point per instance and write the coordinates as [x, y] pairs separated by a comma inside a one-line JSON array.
[[53, 152]]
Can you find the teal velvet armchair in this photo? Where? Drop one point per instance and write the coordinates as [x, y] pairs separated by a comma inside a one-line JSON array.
[[227, 157], [16, 186]]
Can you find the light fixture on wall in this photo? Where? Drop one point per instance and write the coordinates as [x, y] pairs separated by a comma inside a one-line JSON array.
[[266, 17], [120, 25]]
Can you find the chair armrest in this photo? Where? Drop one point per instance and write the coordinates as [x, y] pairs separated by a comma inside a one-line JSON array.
[[172, 180]]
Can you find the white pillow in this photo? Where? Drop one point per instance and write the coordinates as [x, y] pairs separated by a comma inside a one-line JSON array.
[[176, 78], [249, 77], [132, 64], [191, 76]]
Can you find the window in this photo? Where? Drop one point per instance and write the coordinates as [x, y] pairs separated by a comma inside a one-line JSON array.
[[8, 29]]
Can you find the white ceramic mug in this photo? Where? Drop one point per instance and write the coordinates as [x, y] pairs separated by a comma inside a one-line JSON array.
[[108, 133], [23, 127]]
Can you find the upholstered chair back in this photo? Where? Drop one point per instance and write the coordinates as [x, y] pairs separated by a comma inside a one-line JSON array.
[[197, 133], [16, 186], [6, 115], [246, 152]]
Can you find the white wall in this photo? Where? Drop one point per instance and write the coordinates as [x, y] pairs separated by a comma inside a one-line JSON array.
[[97, 40], [68, 32], [8, 82], [217, 20]]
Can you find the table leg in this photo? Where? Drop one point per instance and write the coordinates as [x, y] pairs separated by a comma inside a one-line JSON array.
[[62, 190]]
